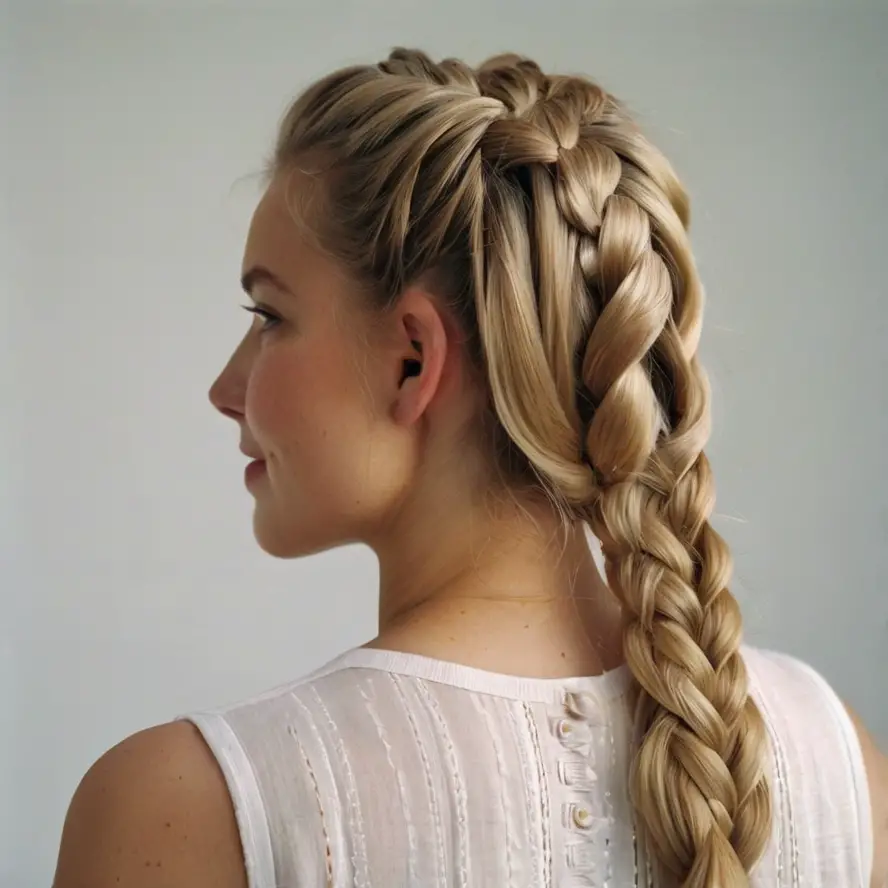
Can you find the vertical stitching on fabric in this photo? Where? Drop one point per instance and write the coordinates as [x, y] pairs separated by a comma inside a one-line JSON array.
[[412, 844], [328, 855], [433, 799], [531, 809], [458, 786], [353, 804], [784, 815], [782, 770], [503, 782], [545, 822], [609, 803], [336, 858]]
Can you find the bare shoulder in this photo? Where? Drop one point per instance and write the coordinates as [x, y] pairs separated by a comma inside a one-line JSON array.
[[876, 763], [153, 812]]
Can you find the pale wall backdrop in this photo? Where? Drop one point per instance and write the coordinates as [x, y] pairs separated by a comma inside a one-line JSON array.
[[130, 135]]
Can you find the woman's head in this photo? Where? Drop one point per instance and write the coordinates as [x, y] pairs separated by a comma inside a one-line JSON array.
[[491, 285], [409, 184]]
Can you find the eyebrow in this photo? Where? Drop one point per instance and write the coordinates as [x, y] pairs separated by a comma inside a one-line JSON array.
[[259, 274]]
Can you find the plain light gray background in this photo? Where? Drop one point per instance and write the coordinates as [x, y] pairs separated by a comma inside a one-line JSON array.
[[131, 588]]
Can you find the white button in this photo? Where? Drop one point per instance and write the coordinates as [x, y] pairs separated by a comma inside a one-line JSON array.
[[564, 729], [582, 818]]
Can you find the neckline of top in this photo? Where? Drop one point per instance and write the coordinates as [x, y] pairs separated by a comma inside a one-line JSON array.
[[613, 683]]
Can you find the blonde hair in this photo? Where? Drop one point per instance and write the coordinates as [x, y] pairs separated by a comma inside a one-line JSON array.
[[561, 233]]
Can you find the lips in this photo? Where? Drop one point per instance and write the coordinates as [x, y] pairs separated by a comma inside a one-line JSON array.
[[254, 471]]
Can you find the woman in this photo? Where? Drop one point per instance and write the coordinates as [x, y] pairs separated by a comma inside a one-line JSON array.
[[476, 317]]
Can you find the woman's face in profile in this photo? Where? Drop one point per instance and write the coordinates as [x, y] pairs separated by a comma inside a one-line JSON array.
[[310, 393]]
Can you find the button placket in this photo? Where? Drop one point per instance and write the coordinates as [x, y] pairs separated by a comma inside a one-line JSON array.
[[578, 732]]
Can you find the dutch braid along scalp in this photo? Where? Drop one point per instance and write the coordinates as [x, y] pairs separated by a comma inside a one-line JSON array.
[[563, 234]]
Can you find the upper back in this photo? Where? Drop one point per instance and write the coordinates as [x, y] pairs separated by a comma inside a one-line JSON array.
[[386, 769]]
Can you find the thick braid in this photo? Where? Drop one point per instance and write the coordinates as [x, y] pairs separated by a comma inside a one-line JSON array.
[[698, 779]]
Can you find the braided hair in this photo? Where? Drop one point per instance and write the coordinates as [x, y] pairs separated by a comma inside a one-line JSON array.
[[562, 235]]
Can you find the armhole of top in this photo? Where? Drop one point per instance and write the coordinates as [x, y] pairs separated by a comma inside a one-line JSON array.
[[854, 754], [246, 798]]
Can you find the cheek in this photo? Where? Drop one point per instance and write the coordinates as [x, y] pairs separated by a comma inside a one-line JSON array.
[[337, 465], [309, 412]]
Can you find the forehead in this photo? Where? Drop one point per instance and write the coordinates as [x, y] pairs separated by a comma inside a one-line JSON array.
[[274, 238], [283, 245]]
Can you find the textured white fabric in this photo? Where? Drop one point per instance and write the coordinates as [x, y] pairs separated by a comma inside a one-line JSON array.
[[390, 770]]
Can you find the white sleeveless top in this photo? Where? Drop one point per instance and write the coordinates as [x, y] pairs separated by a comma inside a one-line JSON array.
[[392, 770]]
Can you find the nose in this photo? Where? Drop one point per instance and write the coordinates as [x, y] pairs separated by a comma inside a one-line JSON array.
[[227, 393]]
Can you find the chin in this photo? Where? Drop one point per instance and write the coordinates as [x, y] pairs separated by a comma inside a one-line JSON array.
[[287, 540]]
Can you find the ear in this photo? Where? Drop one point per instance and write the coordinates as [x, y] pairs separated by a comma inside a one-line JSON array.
[[424, 343]]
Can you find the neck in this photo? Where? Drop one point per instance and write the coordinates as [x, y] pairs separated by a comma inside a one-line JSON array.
[[507, 589]]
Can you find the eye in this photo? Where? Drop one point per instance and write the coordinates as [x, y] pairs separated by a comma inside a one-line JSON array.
[[269, 318]]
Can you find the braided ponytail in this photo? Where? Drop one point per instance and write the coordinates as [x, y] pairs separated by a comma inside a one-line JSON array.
[[563, 234], [698, 780], [698, 777]]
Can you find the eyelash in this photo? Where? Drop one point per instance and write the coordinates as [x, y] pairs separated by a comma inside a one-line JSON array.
[[270, 319]]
